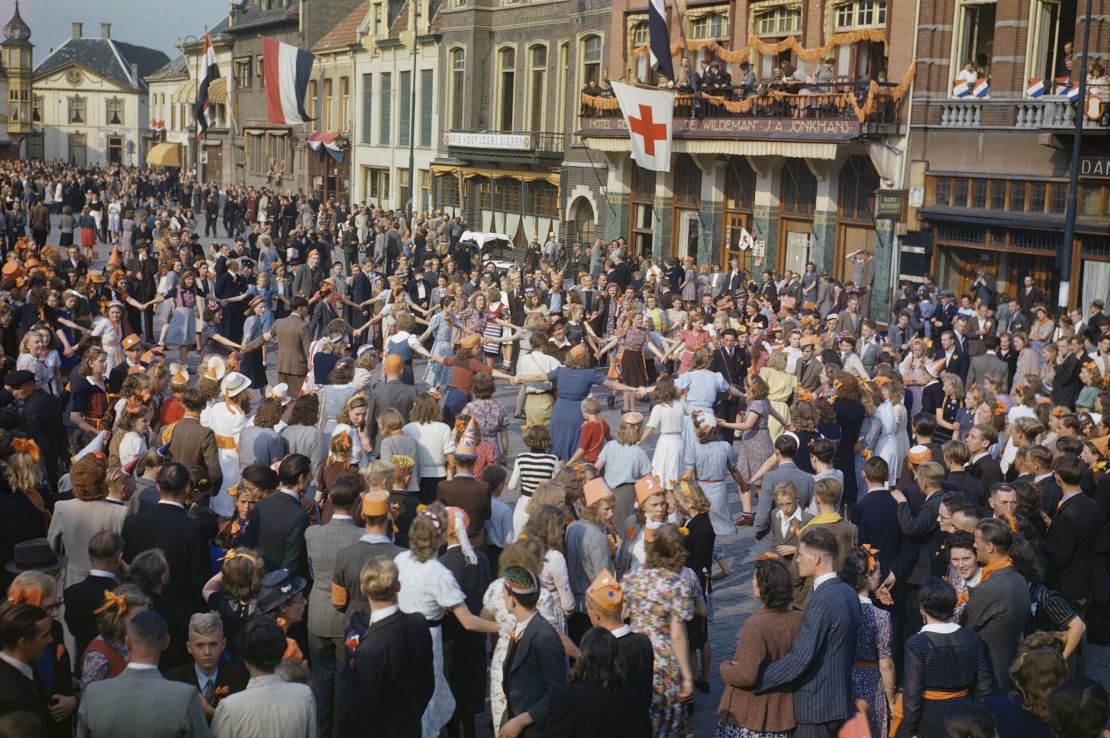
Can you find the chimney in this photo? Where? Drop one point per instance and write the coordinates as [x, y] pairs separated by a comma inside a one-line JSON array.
[[135, 73], [77, 30], [105, 31]]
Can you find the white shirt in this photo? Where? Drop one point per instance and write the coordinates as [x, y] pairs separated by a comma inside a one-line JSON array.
[[434, 441], [536, 362], [940, 628], [784, 522], [522, 625], [24, 669], [818, 581], [141, 667], [378, 615], [622, 631]]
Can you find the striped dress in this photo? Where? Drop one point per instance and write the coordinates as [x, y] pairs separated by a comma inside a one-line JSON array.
[[531, 469]]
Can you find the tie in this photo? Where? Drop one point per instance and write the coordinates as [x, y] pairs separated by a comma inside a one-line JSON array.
[[209, 691]]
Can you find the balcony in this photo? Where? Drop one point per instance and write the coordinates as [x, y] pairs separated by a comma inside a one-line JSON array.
[[825, 113], [1049, 113], [510, 147]]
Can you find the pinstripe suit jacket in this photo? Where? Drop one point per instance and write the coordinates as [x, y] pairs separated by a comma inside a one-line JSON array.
[[820, 662]]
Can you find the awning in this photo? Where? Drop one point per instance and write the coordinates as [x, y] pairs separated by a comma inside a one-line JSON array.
[[164, 155], [186, 93], [468, 172], [789, 149], [217, 91]]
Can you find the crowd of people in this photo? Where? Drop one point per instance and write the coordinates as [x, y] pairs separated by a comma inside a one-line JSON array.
[[306, 529]]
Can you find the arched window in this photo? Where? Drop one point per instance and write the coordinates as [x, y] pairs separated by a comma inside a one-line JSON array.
[[458, 75], [537, 87], [506, 74], [589, 48]]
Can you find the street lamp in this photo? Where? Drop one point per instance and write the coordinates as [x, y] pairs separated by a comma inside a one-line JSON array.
[[1064, 253], [181, 44], [412, 111]]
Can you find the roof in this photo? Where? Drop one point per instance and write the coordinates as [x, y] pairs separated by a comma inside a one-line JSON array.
[[108, 58], [179, 67], [17, 29], [249, 16], [345, 33]]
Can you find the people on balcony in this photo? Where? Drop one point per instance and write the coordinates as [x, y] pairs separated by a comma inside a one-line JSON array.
[[718, 82], [825, 74], [748, 82]]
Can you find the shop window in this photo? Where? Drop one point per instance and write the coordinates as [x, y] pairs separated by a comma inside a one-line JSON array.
[[448, 186], [799, 189], [1017, 197], [1036, 197], [687, 181], [1051, 25], [507, 195], [858, 182], [974, 35], [998, 195], [739, 185], [543, 199]]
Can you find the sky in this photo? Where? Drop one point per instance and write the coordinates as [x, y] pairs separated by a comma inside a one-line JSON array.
[[154, 23]]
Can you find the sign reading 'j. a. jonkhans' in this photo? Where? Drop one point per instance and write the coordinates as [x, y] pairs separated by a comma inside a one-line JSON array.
[[772, 128]]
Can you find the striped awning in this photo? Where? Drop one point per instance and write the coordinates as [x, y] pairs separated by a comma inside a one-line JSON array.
[[164, 155], [217, 91], [186, 93], [789, 149]]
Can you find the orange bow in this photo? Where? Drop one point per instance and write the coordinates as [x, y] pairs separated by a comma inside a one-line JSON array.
[[233, 554], [872, 562], [18, 595], [1011, 522], [804, 396], [768, 556], [26, 446], [134, 407], [342, 442], [111, 599]]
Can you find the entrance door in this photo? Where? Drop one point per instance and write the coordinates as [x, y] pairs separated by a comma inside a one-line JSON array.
[[115, 150], [796, 238], [735, 223], [78, 151], [214, 169], [688, 230], [852, 238]]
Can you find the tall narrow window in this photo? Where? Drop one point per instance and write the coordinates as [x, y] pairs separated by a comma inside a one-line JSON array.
[[326, 116], [506, 66], [590, 52], [385, 111], [344, 121], [561, 92], [1051, 25], [367, 107], [537, 87], [404, 120], [458, 81], [427, 89], [974, 36], [311, 99], [115, 112]]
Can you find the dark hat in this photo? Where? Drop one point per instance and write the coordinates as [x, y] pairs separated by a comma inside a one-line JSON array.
[[34, 555], [278, 587], [1098, 303], [18, 378]]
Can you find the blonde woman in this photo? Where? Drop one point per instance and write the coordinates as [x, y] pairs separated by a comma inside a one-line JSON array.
[[780, 388], [352, 421], [106, 655]]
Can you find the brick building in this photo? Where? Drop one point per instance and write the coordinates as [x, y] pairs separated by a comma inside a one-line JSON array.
[[796, 167], [994, 170], [511, 72]]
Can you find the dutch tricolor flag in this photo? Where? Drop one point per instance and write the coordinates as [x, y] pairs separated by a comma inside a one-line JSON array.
[[659, 38], [1073, 92], [208, 73], [1035, 88], [286, 70], [982, 88], [961, 89]]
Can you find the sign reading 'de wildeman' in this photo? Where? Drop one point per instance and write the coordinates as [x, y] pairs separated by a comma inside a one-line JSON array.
[[789, 129]]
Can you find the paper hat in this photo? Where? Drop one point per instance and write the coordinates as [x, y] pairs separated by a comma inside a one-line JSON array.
[[375, 504], [605, 592], [279, 392], [256, 302], [457, 523], [214, 368], [810, 341], [471, 341], [131, 341], [705, 421], [234, 383], [519, 580], [12, 269], [936, 367], [578, 350], [632, 418], [454, 515], [920, 455], [467, 448], [647, 487], [596, 490]]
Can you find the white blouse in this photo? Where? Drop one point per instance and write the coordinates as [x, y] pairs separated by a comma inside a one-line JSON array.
[[428, 588]]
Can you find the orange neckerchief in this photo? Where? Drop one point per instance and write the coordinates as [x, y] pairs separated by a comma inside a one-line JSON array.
[[996, 566]]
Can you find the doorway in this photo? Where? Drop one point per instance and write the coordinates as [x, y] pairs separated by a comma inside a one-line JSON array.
[[115, 150], [78, 149], [687, 234], [737, 245], [797, 237]]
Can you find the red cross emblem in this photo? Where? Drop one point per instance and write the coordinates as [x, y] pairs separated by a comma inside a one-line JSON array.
[[648, 129]]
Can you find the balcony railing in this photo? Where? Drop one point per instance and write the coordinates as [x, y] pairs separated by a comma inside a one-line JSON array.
[[869, 103], [521, 146], [1044, 114]]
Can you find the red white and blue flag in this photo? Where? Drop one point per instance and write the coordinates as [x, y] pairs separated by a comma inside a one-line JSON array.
[[209, 71], [982, 88], [659, 38], [1036, 87], [961, 89], [1073, 92], [286, 71]]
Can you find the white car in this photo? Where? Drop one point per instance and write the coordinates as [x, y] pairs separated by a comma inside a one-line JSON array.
[[495, 248]]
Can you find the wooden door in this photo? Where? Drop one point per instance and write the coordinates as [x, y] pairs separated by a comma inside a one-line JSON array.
[[852, 238], [794, 247], [734, 224], [214, 170]]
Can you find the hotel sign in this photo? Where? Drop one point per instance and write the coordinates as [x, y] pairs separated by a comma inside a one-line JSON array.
[[783, 129], [509, 141], [1094, 167]]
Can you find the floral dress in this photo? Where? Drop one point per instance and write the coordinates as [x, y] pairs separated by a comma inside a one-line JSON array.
[[494, 601], [653, 597], [872, 644], [439, 375], [491, 419]]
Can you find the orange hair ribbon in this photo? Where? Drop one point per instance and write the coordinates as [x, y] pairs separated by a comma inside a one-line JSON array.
[[18, 595], [1011, 522], [111, 599], [233, 554], [26, 446], [872, 562], [768, 556]]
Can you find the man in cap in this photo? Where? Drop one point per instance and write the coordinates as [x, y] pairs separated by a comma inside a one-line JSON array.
[[535, 666], [346, 595], [392, 670], [466, 492], [390, 394], [132, 353], [39, 419], [604, 605]]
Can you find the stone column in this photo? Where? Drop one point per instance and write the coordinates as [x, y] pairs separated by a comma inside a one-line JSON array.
[[618, 188]]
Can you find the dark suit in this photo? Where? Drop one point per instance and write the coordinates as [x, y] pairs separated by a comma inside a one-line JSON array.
[[464, 652], [972, 488], [81, 599], [731, 367], [820, 662], [1066, 385], [535, 667], [41, 414], [348, 568], [18, 693], [276, 529], [1069, 547], [228, 674], [987, 470], [636, 657], [1035, 296], [393, 675], [182, 539], [586, 710], [1051, 494], [473, 496], [998, 610], [876, 518]]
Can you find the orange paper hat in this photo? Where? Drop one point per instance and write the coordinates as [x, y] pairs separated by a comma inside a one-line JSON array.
[[936, 367], [596, 490], [920, 455], [375, 504], [647, 487], [605, 592], [467, 448]]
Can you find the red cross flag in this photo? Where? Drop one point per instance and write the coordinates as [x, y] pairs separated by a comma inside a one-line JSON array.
[[648, 114]]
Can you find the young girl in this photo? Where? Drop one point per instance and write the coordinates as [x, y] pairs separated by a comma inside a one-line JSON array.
[[130, 439], [393, 442], [1091, 378], [595, 433], [650, 512], [623, 462], [352, 423], [337, 466], [534, 466], [668, 416], [233, 593], [948, 414], [548, 526]]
